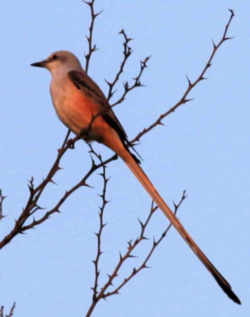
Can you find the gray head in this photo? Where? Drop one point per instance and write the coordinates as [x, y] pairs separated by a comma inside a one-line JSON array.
[[60, 61]]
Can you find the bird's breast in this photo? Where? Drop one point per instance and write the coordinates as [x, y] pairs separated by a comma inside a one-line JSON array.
[[70, 104], [75, 109]]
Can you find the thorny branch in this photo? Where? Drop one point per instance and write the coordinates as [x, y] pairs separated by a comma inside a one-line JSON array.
[[101, 225], [135, 84], [35, 193], [126, 54], [135, 243], [132, 245], [184, 99], [127, 51], [91, 47]]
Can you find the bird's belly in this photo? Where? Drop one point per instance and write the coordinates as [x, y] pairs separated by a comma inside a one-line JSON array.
[[74, 109]]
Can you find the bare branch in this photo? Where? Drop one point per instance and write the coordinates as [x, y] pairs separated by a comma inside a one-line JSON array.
[[136, 82], [127, 51], [101, 226], [184, 99], [91, 47], [34, 195], [135, 243], [126, 54], [103, 293]]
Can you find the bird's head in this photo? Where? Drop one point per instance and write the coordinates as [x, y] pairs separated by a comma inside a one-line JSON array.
[[60, 61]]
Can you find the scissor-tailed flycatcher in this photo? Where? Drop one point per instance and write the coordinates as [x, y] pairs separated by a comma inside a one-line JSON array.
[[83, 108]]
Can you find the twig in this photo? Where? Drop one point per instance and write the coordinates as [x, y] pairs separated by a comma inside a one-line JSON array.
[[136, 242], [103, 294], [183, 100], [126, 54], [127, 51], [91, 47], [101, 226], [136, 83], [35, 193]]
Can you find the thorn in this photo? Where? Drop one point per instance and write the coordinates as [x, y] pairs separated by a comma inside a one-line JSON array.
[[189, 81], [226, 38], [52, 182], [214, 45], [87, 185], [231, 11], [138, 83], [185, 100], [141, 223], [58, 168], [126, 86], [107, 82], [132, 256], [98, 13]]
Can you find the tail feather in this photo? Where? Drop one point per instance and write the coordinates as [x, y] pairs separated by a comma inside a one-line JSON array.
[[148, 186]]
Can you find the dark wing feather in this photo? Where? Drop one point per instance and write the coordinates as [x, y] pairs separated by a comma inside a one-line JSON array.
[[83, 82]]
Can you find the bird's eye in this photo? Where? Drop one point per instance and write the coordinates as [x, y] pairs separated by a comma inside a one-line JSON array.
[[54, 57]]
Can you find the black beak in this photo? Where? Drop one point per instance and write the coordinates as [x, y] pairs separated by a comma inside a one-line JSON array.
[[39, 64]]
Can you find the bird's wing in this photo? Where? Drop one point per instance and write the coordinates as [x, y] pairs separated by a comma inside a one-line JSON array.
[[84, 83]]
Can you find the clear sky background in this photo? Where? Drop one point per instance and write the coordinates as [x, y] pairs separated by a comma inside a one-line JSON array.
[[203, 148]]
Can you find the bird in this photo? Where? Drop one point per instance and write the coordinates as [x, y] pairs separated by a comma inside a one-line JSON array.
[[82, 107]]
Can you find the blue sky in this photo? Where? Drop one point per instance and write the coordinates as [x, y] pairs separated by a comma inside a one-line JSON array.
[[203, 148]]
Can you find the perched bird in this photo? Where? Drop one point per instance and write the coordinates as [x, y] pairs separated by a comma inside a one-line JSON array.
[[83, 108]]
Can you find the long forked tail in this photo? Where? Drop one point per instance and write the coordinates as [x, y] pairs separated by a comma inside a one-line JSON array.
[[149, 187]]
